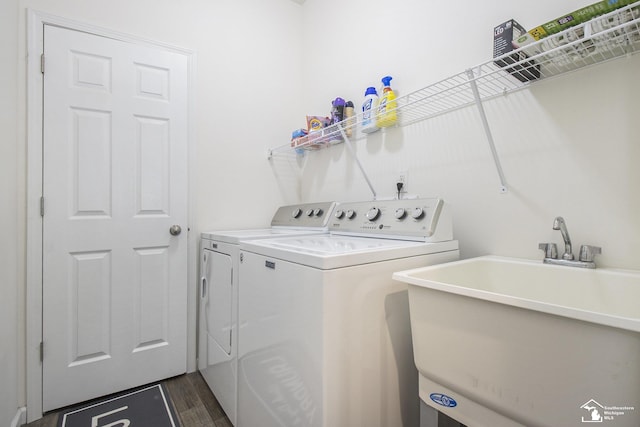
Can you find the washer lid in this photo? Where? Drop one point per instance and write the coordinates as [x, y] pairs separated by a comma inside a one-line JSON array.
[[336, 251], [234, 237]]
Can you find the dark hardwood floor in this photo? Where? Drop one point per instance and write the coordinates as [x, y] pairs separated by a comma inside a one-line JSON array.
[[192, 400]]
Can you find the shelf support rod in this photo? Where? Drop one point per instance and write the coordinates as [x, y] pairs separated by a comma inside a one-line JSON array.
[[487, 129], [347, 142]]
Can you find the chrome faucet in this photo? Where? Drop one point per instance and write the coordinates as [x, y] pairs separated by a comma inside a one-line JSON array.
[[559, 224], [586, 256]]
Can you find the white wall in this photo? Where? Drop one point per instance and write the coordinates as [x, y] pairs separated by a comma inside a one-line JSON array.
[[568, 146], [9, 327]]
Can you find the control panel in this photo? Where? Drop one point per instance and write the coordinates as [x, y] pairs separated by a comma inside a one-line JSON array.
[[412, 219], [314, 215]]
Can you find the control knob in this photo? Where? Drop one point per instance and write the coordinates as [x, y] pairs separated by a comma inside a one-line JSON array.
[[417, 213], [351, 214], [296, 213], [373, 214], [309, 212], [318, 212], [401, 213], [339, 214]]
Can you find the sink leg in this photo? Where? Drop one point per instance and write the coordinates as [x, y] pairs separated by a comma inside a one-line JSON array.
[[428, 415]]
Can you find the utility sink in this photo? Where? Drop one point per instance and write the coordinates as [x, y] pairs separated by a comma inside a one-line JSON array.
[[505, 342]]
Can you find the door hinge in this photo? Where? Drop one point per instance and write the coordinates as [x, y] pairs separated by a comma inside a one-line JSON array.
[[41, 351], [42, 63], [42, 206]]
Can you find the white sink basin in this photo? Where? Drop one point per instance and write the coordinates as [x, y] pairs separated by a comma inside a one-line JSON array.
[[512, 341]]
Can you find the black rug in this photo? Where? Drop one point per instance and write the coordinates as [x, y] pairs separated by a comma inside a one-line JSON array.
[[145, 407]]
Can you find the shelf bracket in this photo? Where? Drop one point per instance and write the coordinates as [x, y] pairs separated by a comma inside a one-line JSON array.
[[487, 130], [347, 142]]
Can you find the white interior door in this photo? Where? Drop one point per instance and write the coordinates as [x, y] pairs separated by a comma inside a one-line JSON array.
[[114, 182]]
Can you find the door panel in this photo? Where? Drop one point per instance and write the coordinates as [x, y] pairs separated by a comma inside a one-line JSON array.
[[152, 178], [90, 287], [151, 297], [114, 182], [91, 174]]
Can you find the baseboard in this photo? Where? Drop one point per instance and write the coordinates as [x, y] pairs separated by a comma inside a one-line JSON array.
[[20, 418]]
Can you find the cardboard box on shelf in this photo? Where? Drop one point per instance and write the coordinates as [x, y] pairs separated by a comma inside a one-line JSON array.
[[571, 28], [503, 38], [577, 17]]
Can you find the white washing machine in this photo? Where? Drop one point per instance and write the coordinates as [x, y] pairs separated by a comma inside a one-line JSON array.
[[324, 336], [218, 308]]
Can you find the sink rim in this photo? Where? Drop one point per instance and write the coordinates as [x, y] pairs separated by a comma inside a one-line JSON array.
[[597, 317]]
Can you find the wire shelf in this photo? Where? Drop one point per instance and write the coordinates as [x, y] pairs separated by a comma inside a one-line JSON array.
[[601, 39]]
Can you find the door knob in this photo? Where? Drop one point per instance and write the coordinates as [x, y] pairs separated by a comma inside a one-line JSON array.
[[175, 230]]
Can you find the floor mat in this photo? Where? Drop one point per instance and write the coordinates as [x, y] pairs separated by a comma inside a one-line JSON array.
[[146, 407]]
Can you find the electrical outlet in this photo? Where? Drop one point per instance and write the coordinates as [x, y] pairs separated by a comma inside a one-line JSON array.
[[402, 177], [401, 183]]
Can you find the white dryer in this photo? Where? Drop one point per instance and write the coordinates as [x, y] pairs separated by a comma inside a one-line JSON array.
[[218, 308], [324, 336]]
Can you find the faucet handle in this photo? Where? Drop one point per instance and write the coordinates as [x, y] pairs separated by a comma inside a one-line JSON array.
[[550, 250], [587, 253]]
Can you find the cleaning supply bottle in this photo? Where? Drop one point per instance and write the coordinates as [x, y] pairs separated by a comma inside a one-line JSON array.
[[337, 115], [368, 110], [337, 110], [386, 112], [350, 120]]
